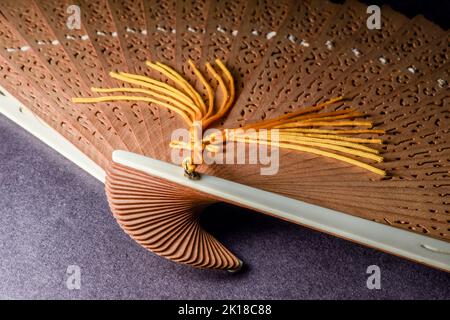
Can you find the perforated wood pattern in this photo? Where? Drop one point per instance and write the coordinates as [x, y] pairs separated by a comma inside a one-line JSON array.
[[284, 55]]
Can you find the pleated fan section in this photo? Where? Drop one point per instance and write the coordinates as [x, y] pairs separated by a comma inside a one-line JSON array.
[[164, 218]]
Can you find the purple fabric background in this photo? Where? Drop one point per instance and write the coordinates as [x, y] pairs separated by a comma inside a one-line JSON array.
[[53, 214]]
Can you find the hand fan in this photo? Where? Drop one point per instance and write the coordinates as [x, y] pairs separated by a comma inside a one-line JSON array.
[[356, 118]]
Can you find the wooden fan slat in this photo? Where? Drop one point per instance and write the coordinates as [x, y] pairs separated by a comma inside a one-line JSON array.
[[63, 80], [253, 51], [84, 55], [105, 39], [129, 19], [289, 52], [222, 28], [351, 81], [191, 18], [29, 64], [142, 219], [160, 18], [25, 92], [420, 208], [191, 22], [433, 228], [332, 55], [80, 53], [251, 43]]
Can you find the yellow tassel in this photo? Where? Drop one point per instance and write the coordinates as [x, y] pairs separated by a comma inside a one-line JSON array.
[[306, 130]]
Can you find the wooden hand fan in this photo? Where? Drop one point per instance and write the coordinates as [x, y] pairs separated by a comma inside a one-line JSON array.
[[358, 117]]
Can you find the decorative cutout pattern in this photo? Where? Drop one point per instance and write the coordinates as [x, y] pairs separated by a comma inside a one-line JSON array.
[[286, 50], [285, 55]]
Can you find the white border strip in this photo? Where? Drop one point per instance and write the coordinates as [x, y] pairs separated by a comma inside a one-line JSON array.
[[410, 245], [18, 113]]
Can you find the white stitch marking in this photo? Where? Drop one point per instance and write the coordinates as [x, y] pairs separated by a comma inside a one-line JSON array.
[[292, 38], [442, 83], [304, 43], [356, 52], [190, 29], [412, 69], [270, 35]]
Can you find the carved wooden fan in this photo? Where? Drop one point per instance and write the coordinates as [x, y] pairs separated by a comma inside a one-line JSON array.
[[360, 115]]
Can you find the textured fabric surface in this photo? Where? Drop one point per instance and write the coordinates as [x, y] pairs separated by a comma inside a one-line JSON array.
[[53, 214]]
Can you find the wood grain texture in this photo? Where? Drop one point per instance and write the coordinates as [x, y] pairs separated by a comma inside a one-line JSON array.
[[163, 217], [285, 56]]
